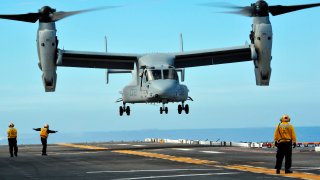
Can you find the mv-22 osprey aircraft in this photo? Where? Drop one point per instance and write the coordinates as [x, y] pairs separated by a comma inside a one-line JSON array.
[[155, 78]]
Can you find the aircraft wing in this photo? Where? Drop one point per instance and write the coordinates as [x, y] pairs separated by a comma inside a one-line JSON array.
[[213, 57], [96, 60]]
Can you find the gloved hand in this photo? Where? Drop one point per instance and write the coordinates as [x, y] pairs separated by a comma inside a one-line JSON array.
[[276, 144], [294, 145]]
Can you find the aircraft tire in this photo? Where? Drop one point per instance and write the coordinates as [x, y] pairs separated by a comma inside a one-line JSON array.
[[166, 110], [128, 110], [186, 108], [161, 110], [120, 110], [179, 108]]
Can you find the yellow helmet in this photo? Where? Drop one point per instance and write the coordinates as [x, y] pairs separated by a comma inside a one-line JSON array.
[[11, 125], [46, 125], [285, 118]]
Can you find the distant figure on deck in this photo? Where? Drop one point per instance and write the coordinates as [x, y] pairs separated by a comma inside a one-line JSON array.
[[284, 140], [44, 133], [12, 140]]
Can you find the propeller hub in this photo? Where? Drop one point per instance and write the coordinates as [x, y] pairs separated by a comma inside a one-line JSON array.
[[261, 8], [45, 14], [46, 10]]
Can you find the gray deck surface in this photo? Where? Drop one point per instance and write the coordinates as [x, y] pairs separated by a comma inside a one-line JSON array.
[[133, 160]]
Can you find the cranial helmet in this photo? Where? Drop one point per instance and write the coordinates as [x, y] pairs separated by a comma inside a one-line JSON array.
[[46, 125], [285, 118], [11, 125]]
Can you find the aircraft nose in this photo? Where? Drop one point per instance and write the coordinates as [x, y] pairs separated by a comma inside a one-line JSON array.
[[164, 88]]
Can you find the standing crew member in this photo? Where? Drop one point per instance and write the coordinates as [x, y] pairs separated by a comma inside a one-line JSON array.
[[12, 140], [44, 133], [284, 138]]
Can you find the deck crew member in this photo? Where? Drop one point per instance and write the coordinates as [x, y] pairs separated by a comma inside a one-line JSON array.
[[285, 139], [12, 140], [44, 133]]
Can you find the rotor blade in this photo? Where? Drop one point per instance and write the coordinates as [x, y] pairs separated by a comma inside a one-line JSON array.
[[30, 17], [277, 10], [61, 14], [244, 11]]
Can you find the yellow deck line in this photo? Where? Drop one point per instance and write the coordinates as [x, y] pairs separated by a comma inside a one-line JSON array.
[[82, 146], [246, 168], [263, 170], [167, 157]]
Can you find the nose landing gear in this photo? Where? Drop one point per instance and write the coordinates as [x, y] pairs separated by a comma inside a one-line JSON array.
[[125, 109], [163, 109]]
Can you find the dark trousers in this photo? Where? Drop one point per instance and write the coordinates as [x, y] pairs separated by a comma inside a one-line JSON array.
[[284, 150], [13, 146], [44, 146]]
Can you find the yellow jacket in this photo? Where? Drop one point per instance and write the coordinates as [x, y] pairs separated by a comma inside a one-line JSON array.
[[44, 133], [284, 133], [12, 132]]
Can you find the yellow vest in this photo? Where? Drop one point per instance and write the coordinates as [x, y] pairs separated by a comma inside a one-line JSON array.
[[12, 132], [44, 133], [284, 133]]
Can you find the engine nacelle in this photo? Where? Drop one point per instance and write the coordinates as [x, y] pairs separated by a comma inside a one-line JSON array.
[[262, 39], [47, 51]]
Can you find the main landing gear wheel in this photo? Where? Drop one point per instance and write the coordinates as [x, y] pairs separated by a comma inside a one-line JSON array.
[[179, 108], [184, 108], [128, 110], [120, 110]]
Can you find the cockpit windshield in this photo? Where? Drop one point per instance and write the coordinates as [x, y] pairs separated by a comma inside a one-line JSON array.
[[155, 74], [170, 74]]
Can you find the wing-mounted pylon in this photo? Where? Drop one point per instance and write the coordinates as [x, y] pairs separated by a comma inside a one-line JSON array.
[[261, 35], [47, 41]]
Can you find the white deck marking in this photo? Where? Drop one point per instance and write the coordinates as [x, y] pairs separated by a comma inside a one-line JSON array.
[[212, 152], [183, 149], [181, 175], [138, 145], [151, 170], [306, 168], [122, 144]]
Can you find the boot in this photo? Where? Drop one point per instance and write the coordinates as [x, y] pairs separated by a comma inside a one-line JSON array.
[[278, 171], [288, 171]]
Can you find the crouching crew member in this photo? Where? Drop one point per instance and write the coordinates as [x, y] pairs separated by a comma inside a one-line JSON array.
[[44, 133], [12, 140], [285, 139]]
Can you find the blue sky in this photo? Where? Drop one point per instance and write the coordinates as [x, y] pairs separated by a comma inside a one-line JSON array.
[[225, 95]]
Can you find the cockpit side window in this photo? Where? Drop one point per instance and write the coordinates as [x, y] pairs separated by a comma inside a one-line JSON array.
[[154, 75], [170, 74]]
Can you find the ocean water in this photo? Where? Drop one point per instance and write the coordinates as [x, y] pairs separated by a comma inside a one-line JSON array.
[[304, 134]]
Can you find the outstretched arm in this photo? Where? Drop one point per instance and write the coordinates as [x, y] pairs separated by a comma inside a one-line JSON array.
[[50, 131], [37, 129]]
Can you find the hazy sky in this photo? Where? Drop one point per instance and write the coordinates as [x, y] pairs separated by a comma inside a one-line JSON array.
[[224, 95]]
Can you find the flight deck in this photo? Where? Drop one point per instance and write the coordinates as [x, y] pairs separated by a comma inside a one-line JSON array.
[[141, 160]]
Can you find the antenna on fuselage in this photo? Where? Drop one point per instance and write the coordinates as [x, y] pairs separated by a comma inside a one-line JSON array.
[[181, 43], [106, 43], [181, 70]]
